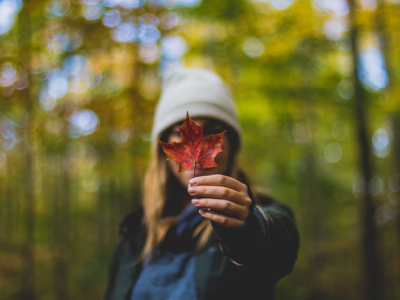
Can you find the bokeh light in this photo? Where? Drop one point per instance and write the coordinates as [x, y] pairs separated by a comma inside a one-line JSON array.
[[148, 33], [156, 3], [189, 3], [345, 89], [128, 4], [375, 186], [121, 135], [335, 28], [333, 152], [125, 33], [46, 101], [91, 2], [169, 20], [384, 213], [337, 7], [74, 41], [75, 65], [83, 122], [281, 4], [8, 133], [149, 53], [253, 47], [381, 142], [8, 11], [149, 19], [57, 84], [8, 144], [58, 8], [58, 43], [112, 18], [8, 75], [92, 12], [173, 47], [372, 68], [368, 4], [8, 129]]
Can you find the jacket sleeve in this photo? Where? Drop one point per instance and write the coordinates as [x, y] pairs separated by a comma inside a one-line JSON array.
[[269, 239]]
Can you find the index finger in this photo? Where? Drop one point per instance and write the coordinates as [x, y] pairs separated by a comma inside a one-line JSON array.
[[219, 180]]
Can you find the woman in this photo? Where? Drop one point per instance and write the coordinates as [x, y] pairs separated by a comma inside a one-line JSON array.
[[203, 237]]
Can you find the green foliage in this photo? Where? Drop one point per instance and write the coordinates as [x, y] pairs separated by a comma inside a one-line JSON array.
[[293, 86]]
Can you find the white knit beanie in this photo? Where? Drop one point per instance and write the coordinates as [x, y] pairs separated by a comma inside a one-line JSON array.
[[198, 91]]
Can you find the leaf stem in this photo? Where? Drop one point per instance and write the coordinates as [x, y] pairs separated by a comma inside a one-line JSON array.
[[194, 171]]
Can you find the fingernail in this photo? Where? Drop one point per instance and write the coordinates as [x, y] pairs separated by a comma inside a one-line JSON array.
[[202, 211], [192, 190], [193, 181], [195, 201]]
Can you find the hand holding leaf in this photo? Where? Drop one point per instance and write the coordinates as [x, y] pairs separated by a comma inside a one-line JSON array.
[[223, 199]]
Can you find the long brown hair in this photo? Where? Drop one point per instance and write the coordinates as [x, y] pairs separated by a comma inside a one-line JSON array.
[[163, 197]]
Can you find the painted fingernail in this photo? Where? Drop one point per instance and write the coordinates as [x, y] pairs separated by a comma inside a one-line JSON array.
[[192, 190], [193, 181], [195, 201], [202, 211]]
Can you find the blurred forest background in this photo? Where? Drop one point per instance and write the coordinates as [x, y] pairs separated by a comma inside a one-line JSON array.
[[317, 87]]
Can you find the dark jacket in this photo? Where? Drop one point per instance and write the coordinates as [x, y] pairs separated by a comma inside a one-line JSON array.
[[218, 273]]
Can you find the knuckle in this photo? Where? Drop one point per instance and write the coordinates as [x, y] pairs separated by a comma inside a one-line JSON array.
[[221, 179], [227, 205], [224, 222], [248, 201], [225, 193]]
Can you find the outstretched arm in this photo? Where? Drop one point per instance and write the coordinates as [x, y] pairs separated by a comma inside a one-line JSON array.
[[248, 233]]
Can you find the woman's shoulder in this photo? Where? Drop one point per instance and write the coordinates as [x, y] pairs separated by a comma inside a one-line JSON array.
[[270, 203], [131, 222], [264, 197]]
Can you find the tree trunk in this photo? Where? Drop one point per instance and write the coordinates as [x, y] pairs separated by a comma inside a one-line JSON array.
[[9, 224], [373, 283], [396, 155], [130, 190], [59, 228], [28, 257], [395, 120], [313, 223]]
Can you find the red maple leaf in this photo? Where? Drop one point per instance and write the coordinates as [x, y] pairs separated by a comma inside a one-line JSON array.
[[193, 148]]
